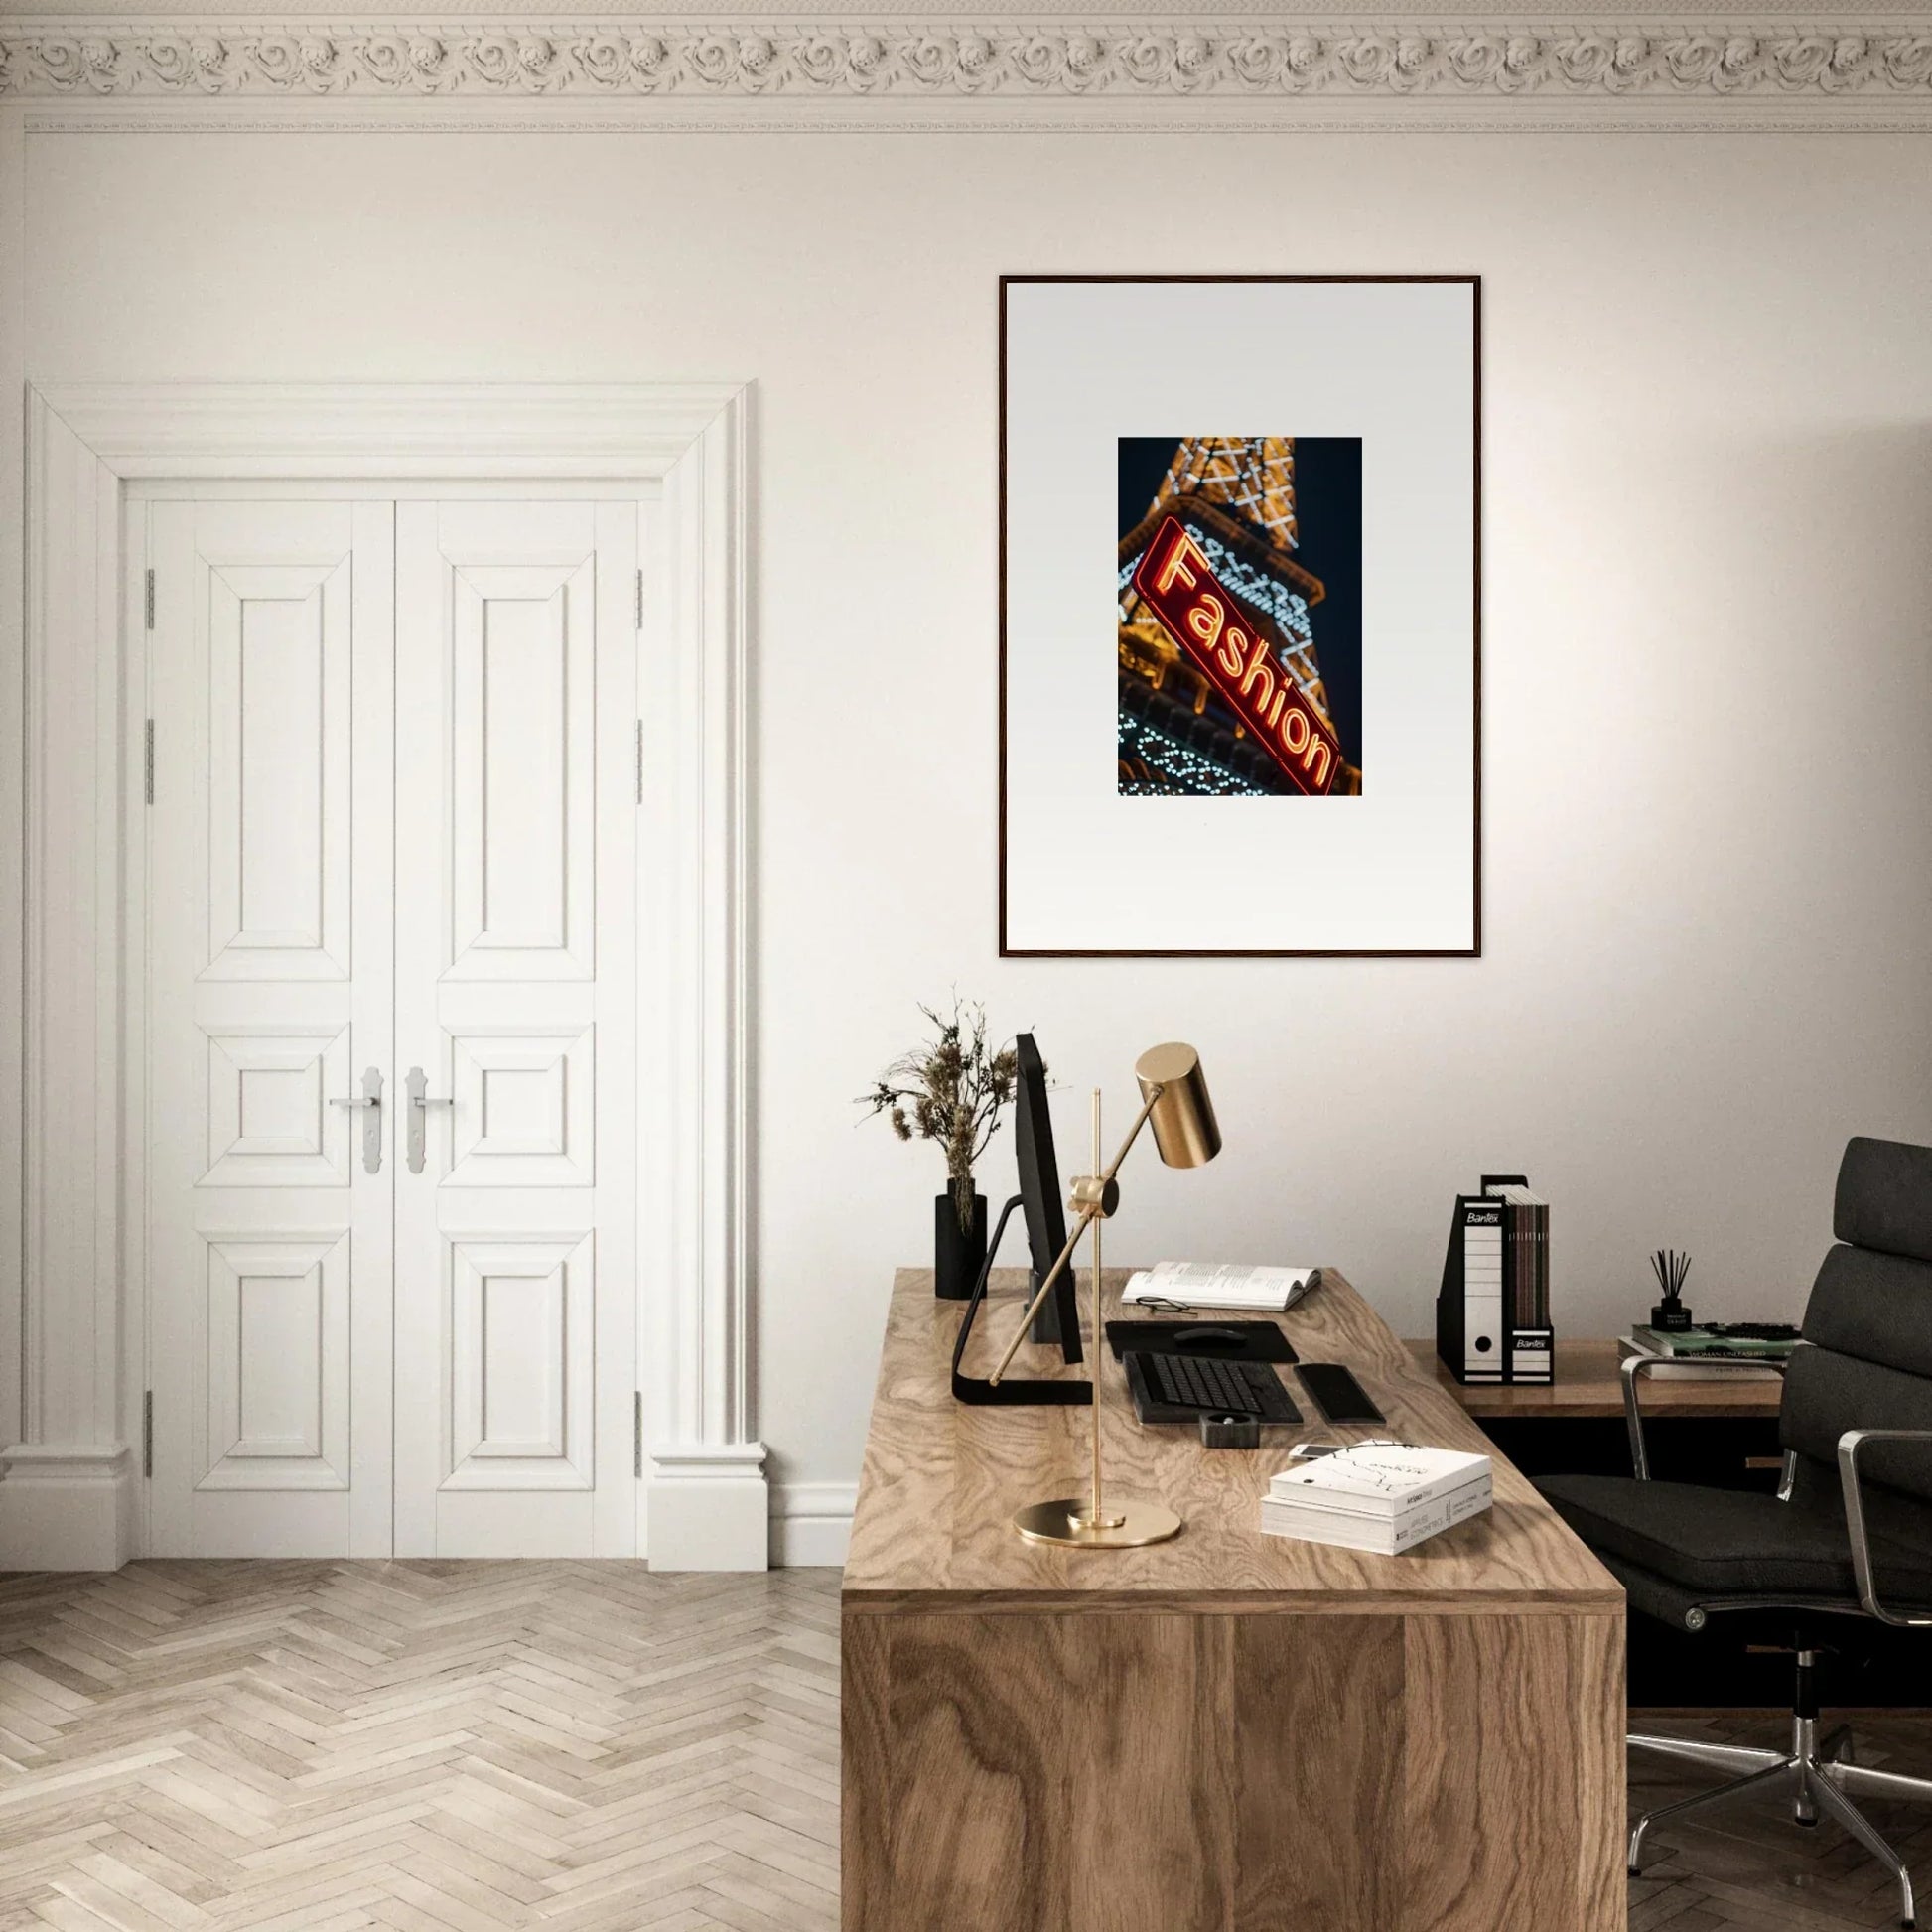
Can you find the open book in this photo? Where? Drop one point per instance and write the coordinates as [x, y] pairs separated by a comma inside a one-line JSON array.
[[1214, 1285]]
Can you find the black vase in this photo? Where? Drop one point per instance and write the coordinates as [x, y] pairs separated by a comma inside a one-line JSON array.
[[958, 1254]]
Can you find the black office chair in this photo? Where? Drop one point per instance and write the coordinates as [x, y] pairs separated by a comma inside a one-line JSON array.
[[1847, 1540]]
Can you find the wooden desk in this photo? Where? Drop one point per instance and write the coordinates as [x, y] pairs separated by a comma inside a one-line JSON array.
[[1228, 1732], [1588, 1384]]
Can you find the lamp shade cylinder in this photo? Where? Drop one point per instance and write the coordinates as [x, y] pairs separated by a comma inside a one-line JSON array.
[[1181, 1116]]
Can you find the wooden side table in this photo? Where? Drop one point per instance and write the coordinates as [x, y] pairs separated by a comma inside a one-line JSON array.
[[1587, 1386]]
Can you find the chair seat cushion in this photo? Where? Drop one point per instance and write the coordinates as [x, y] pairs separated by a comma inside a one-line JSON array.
[[1727, 1542]]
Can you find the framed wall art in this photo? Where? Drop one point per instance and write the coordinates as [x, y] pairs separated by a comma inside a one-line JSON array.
[[1264, 738]]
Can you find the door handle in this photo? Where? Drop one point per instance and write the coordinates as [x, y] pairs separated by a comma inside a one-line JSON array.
[[420, 1102], [370, 1099]]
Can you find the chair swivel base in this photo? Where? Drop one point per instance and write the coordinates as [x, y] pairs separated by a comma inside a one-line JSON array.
[[1820, 1775]]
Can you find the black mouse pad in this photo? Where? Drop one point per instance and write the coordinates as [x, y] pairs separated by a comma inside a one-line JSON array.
[[1226, 1341]]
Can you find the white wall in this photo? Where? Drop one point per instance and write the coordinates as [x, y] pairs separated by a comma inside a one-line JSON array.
[[1707, 657]]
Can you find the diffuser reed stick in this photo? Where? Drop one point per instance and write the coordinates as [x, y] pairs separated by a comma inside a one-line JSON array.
[[1670, 1267]]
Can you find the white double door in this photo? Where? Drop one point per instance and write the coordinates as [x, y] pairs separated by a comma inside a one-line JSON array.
[[391, 860]]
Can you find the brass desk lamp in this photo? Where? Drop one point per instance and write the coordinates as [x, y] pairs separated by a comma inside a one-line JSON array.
[[1173, 1099]]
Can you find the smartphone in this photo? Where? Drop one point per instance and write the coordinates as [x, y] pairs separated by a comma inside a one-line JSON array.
[[1336, 1392]]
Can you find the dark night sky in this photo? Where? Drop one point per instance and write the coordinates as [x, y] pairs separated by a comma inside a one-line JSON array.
[[1329, 512]]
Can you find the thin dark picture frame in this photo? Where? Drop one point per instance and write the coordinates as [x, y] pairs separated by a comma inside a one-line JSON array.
[[1472, 952]]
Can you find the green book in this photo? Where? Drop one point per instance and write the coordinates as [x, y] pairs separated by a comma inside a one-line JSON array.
[[1701, 1342]]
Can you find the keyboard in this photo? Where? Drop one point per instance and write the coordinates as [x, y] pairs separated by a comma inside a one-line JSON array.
[[1191, 1385]]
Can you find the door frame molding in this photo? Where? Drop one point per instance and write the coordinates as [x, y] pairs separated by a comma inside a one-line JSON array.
[[67, 1499]]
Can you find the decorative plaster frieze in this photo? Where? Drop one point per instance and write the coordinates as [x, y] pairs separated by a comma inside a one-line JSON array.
[[1121, 61]]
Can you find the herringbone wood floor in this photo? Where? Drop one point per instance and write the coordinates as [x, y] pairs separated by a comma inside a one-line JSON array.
[[463, 1747], [430, 1746]]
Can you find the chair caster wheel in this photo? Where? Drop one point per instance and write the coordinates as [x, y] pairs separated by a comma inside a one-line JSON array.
[[1810, 1824], [1633, 1871]]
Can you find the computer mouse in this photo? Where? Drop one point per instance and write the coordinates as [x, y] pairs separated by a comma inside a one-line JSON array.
[[1207, 1337]]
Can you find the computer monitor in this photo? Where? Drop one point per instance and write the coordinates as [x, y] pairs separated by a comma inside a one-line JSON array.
[[1039, 1196], [1038, 1201]]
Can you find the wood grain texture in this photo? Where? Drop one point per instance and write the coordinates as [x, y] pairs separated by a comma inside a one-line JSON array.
[[1144, 1691], [1513, 1778], [980, 1818], [864, 1751], [1005, 1780], [1317, 1744], [1114, 1772], [940, 1482], [1588, 1384]]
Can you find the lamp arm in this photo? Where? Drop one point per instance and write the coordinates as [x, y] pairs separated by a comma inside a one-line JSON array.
[[1089, 1215], [1133, 1134]]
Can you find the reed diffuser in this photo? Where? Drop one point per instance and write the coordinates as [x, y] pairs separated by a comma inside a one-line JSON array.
[[1670, 1314]]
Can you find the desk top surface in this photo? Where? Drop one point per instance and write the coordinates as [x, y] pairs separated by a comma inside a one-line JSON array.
[[1587, 1384], [943, 1478]]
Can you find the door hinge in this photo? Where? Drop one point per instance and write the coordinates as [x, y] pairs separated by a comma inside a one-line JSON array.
[[637, 1433], [150, 600], [148, 762], [640, 600], [147, 1434]]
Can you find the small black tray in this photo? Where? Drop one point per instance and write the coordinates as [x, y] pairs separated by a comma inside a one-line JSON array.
[[1225, 1341]]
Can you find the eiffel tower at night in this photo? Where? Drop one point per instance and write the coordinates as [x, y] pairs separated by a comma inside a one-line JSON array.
[[1181, 731]]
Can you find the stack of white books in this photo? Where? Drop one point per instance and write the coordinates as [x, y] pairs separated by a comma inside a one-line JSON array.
[[1218, 1285], [1380, 1496]]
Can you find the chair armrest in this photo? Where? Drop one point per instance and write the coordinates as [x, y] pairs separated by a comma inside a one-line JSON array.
[[1849, 1446], [1634, 1367]]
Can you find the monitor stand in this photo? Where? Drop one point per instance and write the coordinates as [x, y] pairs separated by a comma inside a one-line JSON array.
[[1012, 1390], [1046, 1324]]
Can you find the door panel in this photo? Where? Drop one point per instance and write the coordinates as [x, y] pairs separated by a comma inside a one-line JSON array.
[[515, 1323], [278, 1363], [270, 1123], [524, 1107], [270, 992], [521, 814], [521, 1338], [279, 769]]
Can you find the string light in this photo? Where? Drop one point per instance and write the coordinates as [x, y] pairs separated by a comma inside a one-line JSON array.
[[1186, 768], [1287, 609]]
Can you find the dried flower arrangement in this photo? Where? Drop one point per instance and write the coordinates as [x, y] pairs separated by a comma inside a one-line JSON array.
[[952, 1090]]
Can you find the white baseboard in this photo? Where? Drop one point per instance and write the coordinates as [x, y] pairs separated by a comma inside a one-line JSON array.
[[66, 1506], [811, 1523], [73, 1508], [709, 1507]]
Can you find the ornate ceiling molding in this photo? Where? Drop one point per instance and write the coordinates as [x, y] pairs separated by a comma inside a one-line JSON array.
[[1732, 74]]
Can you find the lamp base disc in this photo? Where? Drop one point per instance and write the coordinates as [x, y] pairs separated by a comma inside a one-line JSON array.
[[1063, 1520]]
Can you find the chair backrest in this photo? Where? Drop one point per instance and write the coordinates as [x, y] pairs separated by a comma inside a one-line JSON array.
[[1869, 1324]]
